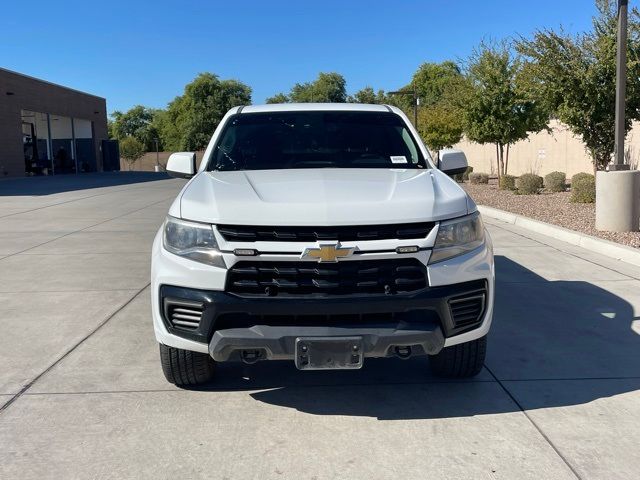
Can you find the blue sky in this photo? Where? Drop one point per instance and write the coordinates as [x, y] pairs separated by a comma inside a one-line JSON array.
[[143, 52]]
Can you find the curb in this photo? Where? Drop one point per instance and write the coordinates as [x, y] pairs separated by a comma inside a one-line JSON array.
[[598, 245]]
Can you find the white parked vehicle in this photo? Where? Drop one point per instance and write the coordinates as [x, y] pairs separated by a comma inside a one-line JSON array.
[[323, 234]]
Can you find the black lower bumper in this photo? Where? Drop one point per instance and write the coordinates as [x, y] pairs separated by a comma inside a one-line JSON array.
[[384, 320], [278, 343]]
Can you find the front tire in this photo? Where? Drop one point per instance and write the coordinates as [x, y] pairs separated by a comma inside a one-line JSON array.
[[460, 361], [186, 368]]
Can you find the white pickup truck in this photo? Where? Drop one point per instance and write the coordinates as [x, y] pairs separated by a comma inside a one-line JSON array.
[[323, 234]]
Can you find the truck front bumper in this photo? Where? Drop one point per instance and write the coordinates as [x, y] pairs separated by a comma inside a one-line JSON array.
[[232, 323]]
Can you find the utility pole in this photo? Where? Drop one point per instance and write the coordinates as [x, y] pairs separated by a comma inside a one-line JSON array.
[[155, 140], [416, 102], [621, 87], [618, 190]]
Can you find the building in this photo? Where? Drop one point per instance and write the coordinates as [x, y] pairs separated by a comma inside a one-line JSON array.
[[47, 129]]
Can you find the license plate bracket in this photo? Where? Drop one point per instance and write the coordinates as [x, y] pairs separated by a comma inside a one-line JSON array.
[[329, 353]]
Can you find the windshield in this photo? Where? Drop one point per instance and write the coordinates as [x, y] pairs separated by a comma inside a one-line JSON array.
[[265, 141]]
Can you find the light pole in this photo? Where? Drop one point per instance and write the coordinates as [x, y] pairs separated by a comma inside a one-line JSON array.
[[156, 141], [621, 87], [618, 190], [416, 102]]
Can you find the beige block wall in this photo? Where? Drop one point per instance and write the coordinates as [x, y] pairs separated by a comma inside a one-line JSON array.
[[542, 153]]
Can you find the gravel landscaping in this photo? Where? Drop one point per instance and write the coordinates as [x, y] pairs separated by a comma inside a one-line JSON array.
[[552, 208]]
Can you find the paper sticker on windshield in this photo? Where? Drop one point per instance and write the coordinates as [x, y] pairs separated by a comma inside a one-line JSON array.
[[398, 159]]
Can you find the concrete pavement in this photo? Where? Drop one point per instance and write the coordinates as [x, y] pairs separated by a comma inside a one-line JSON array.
[[84, 396]]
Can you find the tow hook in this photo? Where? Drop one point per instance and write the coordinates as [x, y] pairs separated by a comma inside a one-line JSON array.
[[251, 356], [403, 352]]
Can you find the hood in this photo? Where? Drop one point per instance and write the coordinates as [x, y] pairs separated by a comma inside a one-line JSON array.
[[318, 197]]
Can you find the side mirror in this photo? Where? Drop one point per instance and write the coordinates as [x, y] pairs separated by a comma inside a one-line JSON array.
[[182, 165], [452, 161]]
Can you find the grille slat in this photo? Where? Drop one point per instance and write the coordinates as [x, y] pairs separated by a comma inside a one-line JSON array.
[[190, 318], [246, 283], [248, 271], [325, 284], [473, 310], [408, 281], [342, 278], [242, 233], [180, 323]]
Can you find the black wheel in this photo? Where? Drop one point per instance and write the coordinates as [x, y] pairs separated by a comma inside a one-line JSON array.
[[459, 361], [185, 368]]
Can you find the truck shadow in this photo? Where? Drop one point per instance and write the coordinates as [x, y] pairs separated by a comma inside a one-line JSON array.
[[49, 185], [553, 344]]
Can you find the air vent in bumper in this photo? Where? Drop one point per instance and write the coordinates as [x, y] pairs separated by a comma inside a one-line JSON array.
[[467, 310], [183, 314]]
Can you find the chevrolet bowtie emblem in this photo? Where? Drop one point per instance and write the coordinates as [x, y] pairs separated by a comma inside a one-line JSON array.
[[328, 252]]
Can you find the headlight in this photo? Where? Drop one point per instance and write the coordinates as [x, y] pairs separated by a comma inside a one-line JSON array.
[[457, 237], [192, 240]]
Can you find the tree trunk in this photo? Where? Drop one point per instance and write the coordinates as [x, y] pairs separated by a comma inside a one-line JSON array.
[[498, 160], [506, 162], [501, 160]]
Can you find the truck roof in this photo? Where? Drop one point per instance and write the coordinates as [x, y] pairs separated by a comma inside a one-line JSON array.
[[305, 107]]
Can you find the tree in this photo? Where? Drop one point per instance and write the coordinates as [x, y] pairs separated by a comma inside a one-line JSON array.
[[440, 126], [278, 98], [368, 95], [137, 122], [131, 150], [327, 88], [191, 118], [365, 95], [575, 77], [110, 128], [168, 132], [497, 107], [436, 83], [440, 88]]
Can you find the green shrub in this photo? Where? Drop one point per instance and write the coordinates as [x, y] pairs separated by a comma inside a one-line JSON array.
[[583, 189], [131, 150], [529, 184], [507, 182], [465, 175], [477, 178], [462, 177], [556, 182], [580, 175]]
